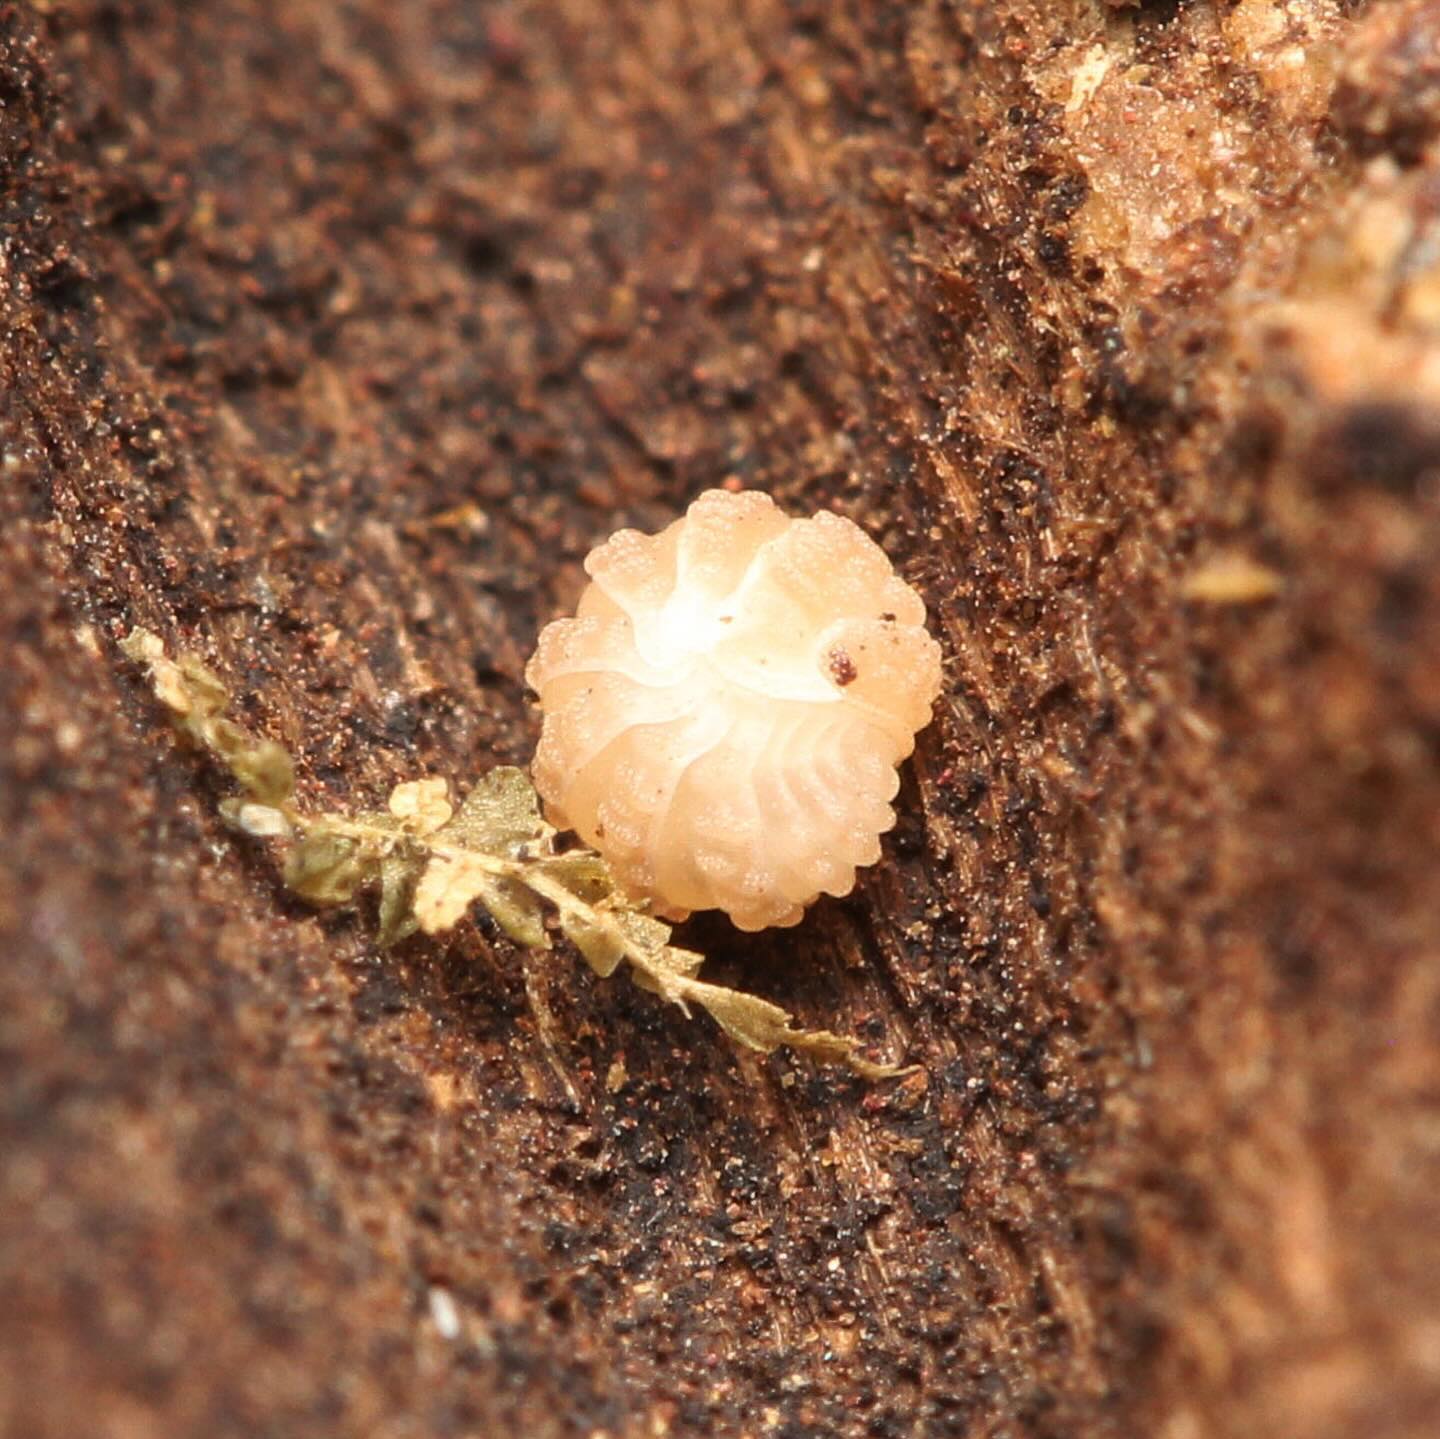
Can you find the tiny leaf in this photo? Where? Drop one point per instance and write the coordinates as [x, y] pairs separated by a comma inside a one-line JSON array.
[[422, 805], [447, 888], [327, 868], [607, 935], [584, 874], [451, 883], [499, 815], [601, 944], [144, 646], [171, 689], [517, 911], [399, 874], [204, 690], [760, 1025], [266, 770], [747, 1019]]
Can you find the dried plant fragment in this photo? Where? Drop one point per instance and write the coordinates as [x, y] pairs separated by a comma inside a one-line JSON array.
[[196, 699], [431, 862]]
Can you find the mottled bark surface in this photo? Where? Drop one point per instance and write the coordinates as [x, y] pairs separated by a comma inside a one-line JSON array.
[[335, 333]]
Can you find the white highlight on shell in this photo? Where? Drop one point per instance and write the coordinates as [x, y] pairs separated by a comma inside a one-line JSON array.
[[724, 714]]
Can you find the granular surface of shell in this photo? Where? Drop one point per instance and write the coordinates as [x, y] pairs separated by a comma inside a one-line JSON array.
[[724, 714]]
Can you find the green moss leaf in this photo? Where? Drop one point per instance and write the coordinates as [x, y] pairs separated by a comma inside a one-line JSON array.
[[204, 689], [399, 874], [582, 872], [759, 1025], [611, 933], [266, 770], [517, 911], [328, 868], [601, 944], [452, 882], [500, 815]]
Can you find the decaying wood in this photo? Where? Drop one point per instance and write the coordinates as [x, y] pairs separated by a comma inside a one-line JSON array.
[[334, 335]]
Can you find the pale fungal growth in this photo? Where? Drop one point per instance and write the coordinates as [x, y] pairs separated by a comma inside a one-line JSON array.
[[724, 714]]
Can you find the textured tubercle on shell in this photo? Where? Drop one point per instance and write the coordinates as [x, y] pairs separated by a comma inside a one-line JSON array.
[[724, 714]]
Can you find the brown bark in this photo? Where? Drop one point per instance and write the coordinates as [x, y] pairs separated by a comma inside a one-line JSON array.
[[334, 334]]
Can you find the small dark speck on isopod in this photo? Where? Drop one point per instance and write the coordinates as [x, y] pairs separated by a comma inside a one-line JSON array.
[[842, 667], [888, 618]]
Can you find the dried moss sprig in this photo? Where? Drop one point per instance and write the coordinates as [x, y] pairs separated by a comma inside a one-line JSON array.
[[431, 861]]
